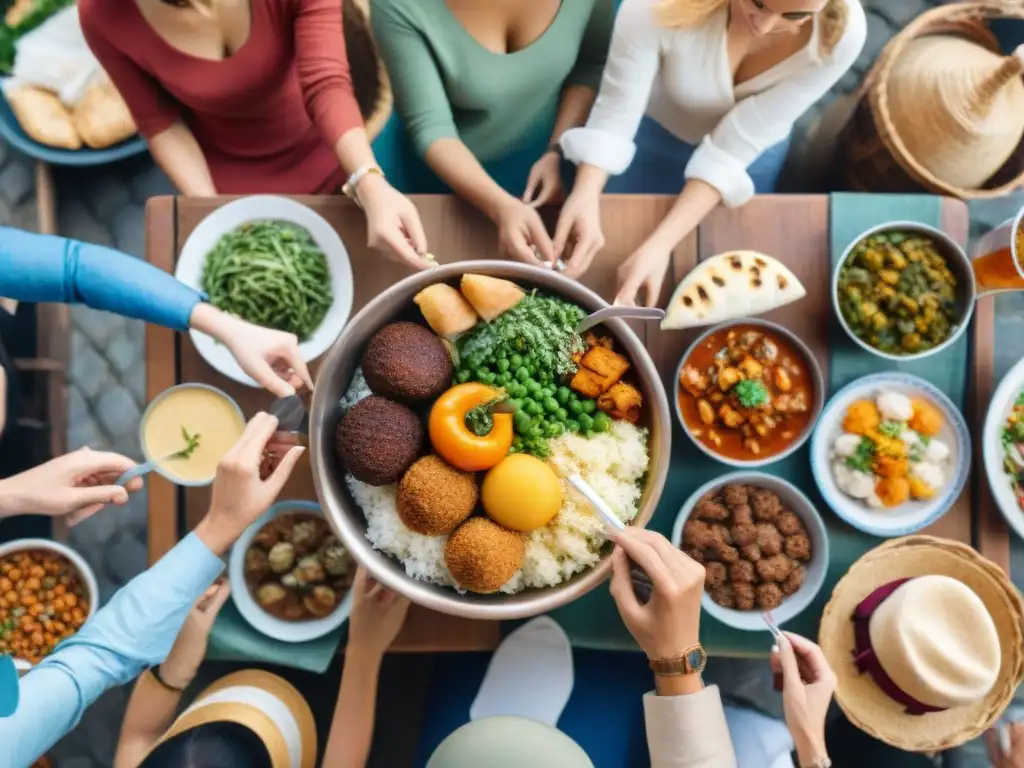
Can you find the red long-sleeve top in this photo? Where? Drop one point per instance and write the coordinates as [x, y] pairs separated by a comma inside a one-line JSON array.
[[267, 118]]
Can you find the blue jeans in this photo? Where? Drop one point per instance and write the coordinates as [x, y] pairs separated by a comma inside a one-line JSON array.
[[660, 163]]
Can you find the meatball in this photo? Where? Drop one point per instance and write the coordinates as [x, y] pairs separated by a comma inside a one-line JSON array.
[[751, 553], [743, 535], [721, 533], [775, 568], [769, 596], [766, 505], [711, 511], [256, 565], [798, 547], [794, 581], [744, 596], [769, 540], [734, 495], [742, 514], [743, 572], [789, 524], [270, 594], [726, 554], [697, 555], [698, 534], [724, 596], [282, 557], [715, 575]]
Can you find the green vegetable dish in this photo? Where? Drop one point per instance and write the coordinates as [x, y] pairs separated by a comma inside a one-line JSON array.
[[897, 293], [271, 273], [1012, 438]]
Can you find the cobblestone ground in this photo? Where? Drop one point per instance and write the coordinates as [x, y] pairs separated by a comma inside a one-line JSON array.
[[107, 381]]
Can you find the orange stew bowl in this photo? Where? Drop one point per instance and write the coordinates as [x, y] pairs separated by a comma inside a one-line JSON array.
[[748, 393]]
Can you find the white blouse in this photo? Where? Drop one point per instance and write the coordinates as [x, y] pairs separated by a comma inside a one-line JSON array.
[[682, 79]]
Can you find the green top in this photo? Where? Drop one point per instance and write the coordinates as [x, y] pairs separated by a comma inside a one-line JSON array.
[[447, 85]]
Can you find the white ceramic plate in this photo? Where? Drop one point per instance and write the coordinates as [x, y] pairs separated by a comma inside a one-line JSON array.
[[913, 515], [285, 631], [259, 208], [999, 408], [816, 568]]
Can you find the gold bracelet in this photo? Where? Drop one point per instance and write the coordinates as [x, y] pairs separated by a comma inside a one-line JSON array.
[[349, 187]]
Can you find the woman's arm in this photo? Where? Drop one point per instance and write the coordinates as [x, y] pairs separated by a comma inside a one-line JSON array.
[[179, 155]]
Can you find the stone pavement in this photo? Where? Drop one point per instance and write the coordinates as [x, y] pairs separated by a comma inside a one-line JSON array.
[[107, 379]]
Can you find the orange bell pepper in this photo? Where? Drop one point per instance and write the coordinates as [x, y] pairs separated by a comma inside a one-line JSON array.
[[465, 431]]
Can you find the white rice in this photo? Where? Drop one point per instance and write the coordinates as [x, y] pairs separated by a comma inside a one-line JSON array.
[[612, 462]]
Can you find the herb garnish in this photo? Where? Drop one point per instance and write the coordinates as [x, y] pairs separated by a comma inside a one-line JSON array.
[[891, 428], [751, 393], [863, 457], [191, 443]]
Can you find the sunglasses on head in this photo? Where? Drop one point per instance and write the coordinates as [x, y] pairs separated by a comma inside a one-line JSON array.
[[789, 16]]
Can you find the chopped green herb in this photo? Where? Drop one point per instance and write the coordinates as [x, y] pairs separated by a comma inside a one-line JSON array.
[[863, 457], [191, 443], [891, 428], [751, 393], [1019, 400]]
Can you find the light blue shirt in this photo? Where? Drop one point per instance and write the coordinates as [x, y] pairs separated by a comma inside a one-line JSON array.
[[134, 631]]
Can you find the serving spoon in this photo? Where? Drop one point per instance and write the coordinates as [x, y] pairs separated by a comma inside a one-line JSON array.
[[631, 313]]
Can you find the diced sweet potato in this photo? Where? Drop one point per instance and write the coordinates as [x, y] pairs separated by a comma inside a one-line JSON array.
[[607, 364], [622, 401], [587, 383]]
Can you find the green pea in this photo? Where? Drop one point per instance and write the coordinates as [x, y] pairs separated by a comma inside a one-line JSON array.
[[536, 431], [517, 442], [586, 421], [522, 373], [562, 395], [515, 359], [572, 425], [503, 378], [554, 429], [502, 364], [602, 422], [589, 406], [463, 376], [561, 414], [488, 377], [550, 404], [533, 408], [517, 405], [522, 422], [589, 434], [532, 387], [575, 407], [480, 372]]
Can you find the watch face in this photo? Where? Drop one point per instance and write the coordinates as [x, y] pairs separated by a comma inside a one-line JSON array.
[[695, 658]]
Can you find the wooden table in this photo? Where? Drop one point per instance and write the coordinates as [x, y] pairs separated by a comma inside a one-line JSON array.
[[793, 228]]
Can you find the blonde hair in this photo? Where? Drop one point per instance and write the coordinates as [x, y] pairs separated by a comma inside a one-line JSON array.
[[683, 14]]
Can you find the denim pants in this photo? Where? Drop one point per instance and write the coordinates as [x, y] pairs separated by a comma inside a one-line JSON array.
[[659, 166]]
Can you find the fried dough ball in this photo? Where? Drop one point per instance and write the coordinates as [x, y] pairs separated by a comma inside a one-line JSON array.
[[889, 466], [735, 496], [744, 596], [893, 491], [861, 417], [724, 596], [766, 505], [743, 535], [789, 524], [927, 419], [769, 596], [698, 534], [798, 547], [769, 540], [697, 555], [775, 568], [794, 581], [715, 575], [711, 511], [721, 533], [727, 554], [742, 514], [751, 553], [743, 572]]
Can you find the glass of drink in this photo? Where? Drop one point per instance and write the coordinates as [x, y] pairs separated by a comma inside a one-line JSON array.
[[997, 256]]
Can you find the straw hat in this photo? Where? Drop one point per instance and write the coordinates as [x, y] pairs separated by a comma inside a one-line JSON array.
[[946, 628], [957, 106], [369, 76], [267, 705]]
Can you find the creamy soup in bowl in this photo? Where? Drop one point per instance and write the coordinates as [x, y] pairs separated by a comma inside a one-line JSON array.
[[187, 430]]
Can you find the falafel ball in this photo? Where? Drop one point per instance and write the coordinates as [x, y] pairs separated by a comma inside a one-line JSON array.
[[727, 554], [769, 596], [698, 534], [378, 440], [697, 555], [751, 552], [766, 505], [794, 581], [789, 524], [775, 568], [745, 596], [715, 575], [407, 362], [724, 595], [711, 511], [742, 514], [433, 498], [721, 533], [742, 572], [735, 495], [798, 547], [743, 535], [482, 556], [769, 540]]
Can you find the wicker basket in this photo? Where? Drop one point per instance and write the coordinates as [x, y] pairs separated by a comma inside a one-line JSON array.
[[942, 110], [369, 76]]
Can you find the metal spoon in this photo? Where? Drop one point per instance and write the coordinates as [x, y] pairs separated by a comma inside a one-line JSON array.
[[632, 313], [643, 587]]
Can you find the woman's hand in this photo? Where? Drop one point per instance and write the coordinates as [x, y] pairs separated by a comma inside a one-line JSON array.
[[1012, 759], [670, 623], [580, 224], [808, 683], [377, 617], [522, 235], [392, 222], [644, 270], [75, 485], [544, 184], [189, 650]]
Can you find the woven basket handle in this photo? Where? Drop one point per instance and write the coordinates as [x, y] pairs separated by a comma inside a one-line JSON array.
[[987, 88]]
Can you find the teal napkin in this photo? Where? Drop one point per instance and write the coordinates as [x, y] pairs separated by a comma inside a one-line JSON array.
[[8, 686]]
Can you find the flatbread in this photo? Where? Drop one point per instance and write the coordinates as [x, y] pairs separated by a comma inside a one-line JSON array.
[[729, 286]]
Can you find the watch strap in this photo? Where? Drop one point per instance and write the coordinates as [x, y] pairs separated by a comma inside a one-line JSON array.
[[155, 672], [682, 664], [349, 188], [822, 763], [556, 147]]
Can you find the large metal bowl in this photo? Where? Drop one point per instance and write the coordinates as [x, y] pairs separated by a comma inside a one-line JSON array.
[[347, 518]]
